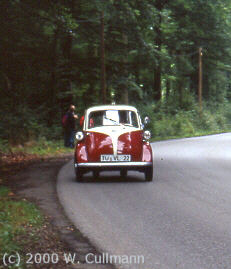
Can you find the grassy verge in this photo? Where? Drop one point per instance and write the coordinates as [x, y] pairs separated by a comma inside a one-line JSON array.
[[169, 119], [50, 148], [23, 228], [183, 124], [41, 147], [196, 134], [20, 222]]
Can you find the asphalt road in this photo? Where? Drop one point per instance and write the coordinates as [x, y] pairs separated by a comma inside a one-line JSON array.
[[180, 220]]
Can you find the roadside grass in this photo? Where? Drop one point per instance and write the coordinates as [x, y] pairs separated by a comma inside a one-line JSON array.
[[19, 220], [44, 147], [171, 120], [196, 134], [40, 147], [185, 124]]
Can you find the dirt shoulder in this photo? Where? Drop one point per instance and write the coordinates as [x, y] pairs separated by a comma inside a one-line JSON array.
[[35, 181]]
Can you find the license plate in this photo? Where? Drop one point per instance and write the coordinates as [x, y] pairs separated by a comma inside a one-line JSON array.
[[112, 158]]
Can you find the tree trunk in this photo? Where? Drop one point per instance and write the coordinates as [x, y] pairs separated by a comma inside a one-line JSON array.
[[52, 88], [157, 83], [125, 94], [65, 86], [158, 42], [125, 97], [168, 85], [103, 70], [180, 87]]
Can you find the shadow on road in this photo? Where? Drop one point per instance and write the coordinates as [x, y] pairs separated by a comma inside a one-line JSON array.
[[105, 177]]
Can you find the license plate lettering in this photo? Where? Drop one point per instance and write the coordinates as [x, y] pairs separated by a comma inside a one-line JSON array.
[[118, 158], [126, 158], [105, 158]]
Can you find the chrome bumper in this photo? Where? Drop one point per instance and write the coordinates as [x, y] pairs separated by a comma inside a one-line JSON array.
[[113, 164]]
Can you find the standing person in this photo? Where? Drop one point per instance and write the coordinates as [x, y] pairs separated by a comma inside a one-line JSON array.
[[68, 121]]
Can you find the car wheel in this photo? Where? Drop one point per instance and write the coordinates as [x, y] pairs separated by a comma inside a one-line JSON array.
[[148, 173], [78, 175], [96, 174], [123, 173]]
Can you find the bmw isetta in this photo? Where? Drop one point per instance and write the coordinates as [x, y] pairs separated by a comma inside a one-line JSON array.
[[113, 138]]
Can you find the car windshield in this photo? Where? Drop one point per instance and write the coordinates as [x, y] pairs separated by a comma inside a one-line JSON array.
[[112, 118]]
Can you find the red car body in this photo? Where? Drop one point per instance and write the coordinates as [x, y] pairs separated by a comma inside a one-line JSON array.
[[113, 139]]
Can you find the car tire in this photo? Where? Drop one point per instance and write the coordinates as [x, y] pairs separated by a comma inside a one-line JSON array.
[[96, 174], [148, 174], [123, 173], [78, 175]]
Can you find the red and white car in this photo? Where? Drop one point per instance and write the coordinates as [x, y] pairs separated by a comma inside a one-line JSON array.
[[113, 139]]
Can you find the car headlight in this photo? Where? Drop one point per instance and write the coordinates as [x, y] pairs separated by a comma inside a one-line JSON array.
[[147, 135], [79, 136]]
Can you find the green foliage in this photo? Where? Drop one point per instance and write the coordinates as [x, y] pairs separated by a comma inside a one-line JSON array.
[[22, 126], [4, 191], [185, 123], [40, 146], [46, 147], [227, 113], [15, 216], [50, 57], [178, 125]]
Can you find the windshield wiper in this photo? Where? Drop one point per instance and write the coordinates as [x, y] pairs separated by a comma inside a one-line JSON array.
[[112, 120], [127, 124]]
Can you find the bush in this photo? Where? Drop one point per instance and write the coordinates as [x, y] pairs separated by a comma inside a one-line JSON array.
[[168, 120]]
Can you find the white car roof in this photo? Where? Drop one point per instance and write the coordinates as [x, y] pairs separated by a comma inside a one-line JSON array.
[[111, 107]]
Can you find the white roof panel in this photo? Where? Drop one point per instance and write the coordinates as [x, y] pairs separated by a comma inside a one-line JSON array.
[[111, 107]]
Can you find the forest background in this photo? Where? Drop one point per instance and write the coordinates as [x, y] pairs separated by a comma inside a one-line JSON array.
[[52, 55]]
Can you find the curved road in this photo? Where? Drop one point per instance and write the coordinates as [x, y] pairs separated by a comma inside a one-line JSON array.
[[180, 220]]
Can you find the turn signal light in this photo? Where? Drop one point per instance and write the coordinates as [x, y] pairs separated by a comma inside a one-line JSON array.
[[147, 135]]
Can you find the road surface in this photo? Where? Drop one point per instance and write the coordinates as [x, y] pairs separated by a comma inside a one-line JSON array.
[[180, 220]]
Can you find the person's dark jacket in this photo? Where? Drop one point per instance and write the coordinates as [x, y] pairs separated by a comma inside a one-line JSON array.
[[70, 124]]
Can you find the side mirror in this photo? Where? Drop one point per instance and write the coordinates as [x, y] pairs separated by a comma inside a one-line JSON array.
[[146, 120]]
